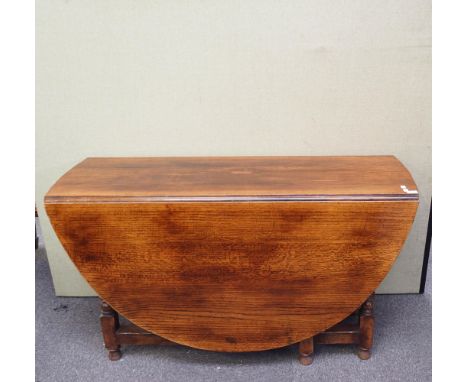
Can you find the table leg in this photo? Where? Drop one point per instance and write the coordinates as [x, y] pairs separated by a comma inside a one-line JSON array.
[[109, 325], [306, 351], [366, 328]]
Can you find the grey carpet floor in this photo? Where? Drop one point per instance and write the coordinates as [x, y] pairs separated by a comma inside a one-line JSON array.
[[69, 347]]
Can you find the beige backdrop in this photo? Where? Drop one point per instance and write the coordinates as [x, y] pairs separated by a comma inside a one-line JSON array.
[[295, 77]]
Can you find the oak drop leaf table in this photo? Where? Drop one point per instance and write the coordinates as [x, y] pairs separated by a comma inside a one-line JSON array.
[[235, 254]]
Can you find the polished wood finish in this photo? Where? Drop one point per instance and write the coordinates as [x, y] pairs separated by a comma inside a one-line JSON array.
[[234, 254], [366, 329], [341, 334], [306, 350], [233, 178], [109, 326], [344, 333], [130, 334]]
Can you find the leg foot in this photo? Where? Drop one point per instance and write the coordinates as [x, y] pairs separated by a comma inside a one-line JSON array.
[[306, 360], [364, 354], [306, 351], [115, 355]]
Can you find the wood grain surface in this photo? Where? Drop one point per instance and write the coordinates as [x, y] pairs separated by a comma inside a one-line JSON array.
[[231, 276], [233, 178], [234, 254]]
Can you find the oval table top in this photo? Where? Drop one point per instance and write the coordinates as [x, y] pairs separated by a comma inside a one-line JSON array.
[[244, 254]]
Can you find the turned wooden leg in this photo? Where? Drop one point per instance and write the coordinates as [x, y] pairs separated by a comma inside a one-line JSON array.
[[306, 351], [109, 325], [366, 328]]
